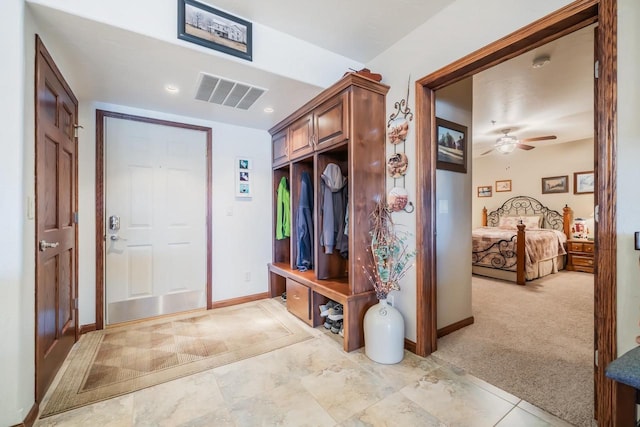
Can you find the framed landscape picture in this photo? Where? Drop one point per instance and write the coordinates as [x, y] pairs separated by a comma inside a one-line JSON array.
[[555, 184], [202, 24], [583, 182], [452, 146], [484, 191]]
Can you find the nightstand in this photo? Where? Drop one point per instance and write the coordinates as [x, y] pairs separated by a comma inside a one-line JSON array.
[[580, 255]]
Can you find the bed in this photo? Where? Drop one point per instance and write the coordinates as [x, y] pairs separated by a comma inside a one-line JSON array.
[[520, 241]]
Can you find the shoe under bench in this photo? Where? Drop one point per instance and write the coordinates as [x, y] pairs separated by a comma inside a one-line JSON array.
[[305, 293]]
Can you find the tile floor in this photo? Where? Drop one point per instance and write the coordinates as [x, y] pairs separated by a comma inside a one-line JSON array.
[[315, 383]]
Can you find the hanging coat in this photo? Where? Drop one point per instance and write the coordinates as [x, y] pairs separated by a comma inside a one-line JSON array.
[[334, 207], [283, 212], [304, 225]]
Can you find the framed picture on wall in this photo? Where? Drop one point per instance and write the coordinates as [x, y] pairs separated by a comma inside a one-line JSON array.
[[452, 146], [484, 191], [583, 182], [209, 27], [555, 184], [244, 177], [504, 185]]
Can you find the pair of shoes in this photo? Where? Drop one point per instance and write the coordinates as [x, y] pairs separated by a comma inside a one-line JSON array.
[[284, 296], [328, 324], [324, 308], [336, 313], [337, 326], [341, 333]]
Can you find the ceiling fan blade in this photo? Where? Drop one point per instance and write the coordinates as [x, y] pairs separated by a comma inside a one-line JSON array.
[[486, 152], [539, 138], [525, 146]]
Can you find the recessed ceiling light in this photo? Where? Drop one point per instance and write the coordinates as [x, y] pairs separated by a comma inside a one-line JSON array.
[[171, 89], [268, 109]]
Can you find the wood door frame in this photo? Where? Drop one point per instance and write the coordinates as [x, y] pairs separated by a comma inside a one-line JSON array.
[[101, 115], [42, 54], [570, 18]]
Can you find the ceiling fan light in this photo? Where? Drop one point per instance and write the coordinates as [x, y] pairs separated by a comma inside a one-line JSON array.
[[506, 148], [506, 144]]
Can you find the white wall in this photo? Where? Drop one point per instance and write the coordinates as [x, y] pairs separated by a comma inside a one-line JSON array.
[[628, 204], [525, 169], [453, 207], [241, 227], [430, 47], [16, 366]]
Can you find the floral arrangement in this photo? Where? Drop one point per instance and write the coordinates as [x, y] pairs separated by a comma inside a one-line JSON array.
[[390, 257]]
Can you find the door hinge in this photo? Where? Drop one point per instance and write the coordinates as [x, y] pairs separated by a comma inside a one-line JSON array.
[[75, 130], [596, 213], [596, 69], [75, 303], [595, 354], [75, 217]]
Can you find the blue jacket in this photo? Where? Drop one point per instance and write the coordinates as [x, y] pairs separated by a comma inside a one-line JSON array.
[[304, 225]]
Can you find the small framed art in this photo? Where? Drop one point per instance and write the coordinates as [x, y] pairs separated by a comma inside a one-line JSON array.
[[504, 185], [243, 177], [484, 191], [555, 184], [583, 182]]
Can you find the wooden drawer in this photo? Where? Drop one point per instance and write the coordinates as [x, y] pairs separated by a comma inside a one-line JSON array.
[[298, 300], [578, 260], [575, 247], [586, 247]]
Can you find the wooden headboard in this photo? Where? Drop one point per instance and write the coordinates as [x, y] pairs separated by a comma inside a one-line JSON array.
[[526, 206]]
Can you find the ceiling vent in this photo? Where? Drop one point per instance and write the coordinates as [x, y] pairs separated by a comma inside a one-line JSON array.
[[221, 91]]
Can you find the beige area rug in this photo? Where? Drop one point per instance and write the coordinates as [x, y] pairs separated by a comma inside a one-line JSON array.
[[120, 360], [533, 341]]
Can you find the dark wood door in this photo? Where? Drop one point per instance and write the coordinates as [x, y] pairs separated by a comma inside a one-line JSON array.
[[56, 229]]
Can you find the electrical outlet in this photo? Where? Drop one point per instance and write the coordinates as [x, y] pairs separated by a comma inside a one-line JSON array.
[[247, 276]]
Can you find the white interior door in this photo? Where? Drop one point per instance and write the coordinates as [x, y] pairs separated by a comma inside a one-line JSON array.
[[155, 226]]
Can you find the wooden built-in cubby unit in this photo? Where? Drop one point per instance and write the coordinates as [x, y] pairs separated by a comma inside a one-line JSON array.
[[344, 125]]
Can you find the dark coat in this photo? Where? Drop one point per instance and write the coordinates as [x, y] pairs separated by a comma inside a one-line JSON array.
[[304, 225]]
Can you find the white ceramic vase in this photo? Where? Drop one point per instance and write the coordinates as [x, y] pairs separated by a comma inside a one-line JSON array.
[[384, 333]]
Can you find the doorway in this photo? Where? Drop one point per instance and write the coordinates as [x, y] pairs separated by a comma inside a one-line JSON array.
[[155, 223], [56, 191], [566, 20]]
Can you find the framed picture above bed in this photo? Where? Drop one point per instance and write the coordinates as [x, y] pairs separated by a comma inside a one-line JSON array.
[[484, 191], [452, 146], [555, 184], [583, 182], [504, 185]]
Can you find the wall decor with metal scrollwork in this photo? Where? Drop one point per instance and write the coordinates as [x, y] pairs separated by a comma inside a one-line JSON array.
[[526, 206], [398, 163]]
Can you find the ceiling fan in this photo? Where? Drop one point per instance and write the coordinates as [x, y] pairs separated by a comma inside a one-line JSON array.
[[507, 143]]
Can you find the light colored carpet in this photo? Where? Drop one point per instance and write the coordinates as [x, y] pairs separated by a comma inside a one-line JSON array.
[[108, 363], [533, 341]]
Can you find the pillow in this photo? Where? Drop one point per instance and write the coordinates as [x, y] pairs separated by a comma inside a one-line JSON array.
[[509, 222], [533, 221]]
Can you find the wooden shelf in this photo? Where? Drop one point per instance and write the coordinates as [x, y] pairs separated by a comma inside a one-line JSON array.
[[344, 126], [337, 290]]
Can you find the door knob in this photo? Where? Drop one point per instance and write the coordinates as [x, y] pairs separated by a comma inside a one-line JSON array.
[[44, 245]]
